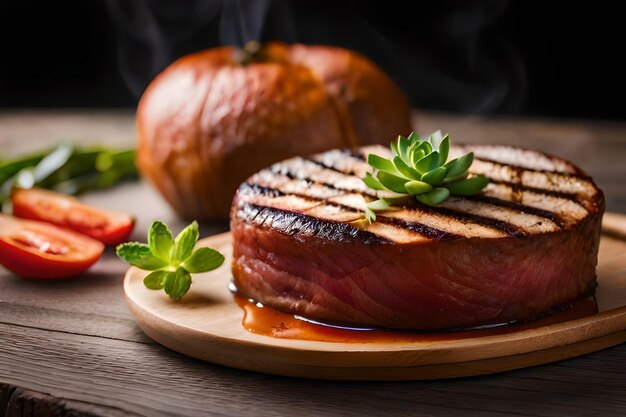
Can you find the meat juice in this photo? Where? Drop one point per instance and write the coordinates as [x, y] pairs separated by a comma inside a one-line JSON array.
[[267, 321]]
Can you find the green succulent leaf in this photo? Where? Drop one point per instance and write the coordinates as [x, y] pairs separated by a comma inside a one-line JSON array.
[[403, 145], [372, 182], [427, 163], [448, 180], [460, 165], [434, 197], [435, 139], [399, 201], [468, 186], [377, 205], [382, 204], [417, 187], [380, 163], [413, 137], [393, 146], [435, 176], [410, 152], [417, 155], [426, 147], [404, 169], [444, 150], [419, 169], [392, 182], [370, 215]]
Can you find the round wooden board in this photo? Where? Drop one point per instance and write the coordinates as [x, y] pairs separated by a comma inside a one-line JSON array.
[[206, 324]]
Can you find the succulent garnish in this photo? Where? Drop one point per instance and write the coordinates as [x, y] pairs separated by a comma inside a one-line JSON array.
[[172, 261], [419, 169]]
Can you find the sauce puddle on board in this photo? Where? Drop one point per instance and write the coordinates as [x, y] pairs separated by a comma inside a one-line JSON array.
[[267, 321]]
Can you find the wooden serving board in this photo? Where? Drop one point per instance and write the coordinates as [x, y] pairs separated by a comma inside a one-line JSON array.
[[206, 324]]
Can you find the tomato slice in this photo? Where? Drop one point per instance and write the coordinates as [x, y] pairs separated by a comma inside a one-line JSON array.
[[109, 227], [39, 250]]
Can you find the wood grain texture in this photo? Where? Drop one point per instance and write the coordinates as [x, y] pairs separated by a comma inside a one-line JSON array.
[[20, 402], [614, 224], [58, 349], [206, 324]]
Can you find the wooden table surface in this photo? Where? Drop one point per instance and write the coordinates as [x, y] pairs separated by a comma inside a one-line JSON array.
[[72, 347]]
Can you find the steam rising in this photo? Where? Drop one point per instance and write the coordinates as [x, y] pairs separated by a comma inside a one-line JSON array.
[[242, 21], [447, 63]]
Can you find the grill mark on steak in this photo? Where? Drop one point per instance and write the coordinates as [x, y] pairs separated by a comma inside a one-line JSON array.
[[518, 190], [427, 231], [558, 220], [356, 154], [292, 223], [413, 226], [576, 174], [584, 192], [515, 185], [521, 188], [568, 211], [565, 178], [283, 170], [298, 262], [331, 167], [560, 184], [420, 228], [507, 227]]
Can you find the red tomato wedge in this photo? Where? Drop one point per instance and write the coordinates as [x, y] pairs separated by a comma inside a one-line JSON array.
[[39, 250], [109, 227]]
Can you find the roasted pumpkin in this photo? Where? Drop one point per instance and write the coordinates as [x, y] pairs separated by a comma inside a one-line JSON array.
[[213, 118]]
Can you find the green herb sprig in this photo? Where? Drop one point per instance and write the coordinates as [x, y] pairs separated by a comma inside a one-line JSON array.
[[419, 168], [67, 169], [172, 261]]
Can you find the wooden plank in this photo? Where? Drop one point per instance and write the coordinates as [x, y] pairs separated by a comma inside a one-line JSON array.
[[206, 325], [150, 380], [20, 402], [24, 131], [75, 340], [92, 304], [598, 147]]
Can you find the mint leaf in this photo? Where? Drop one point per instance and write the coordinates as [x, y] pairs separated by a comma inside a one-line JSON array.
[[177, 283], [171, 260], [156, 280], [139, 255], [203, 260], [160, 240], [185, 242]]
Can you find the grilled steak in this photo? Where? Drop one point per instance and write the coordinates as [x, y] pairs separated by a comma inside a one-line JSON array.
[[527, 243]]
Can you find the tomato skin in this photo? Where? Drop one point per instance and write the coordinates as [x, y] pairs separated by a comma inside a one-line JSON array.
[[29, 261], [109, 227]]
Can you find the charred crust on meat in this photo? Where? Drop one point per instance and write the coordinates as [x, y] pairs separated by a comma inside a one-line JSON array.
[[566, 184], [292, 223], [527, 243]]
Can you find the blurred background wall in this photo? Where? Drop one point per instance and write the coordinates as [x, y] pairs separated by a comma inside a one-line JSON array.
[[558, 58]]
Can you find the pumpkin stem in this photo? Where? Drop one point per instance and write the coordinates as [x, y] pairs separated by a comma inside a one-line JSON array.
[[250, 53]]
